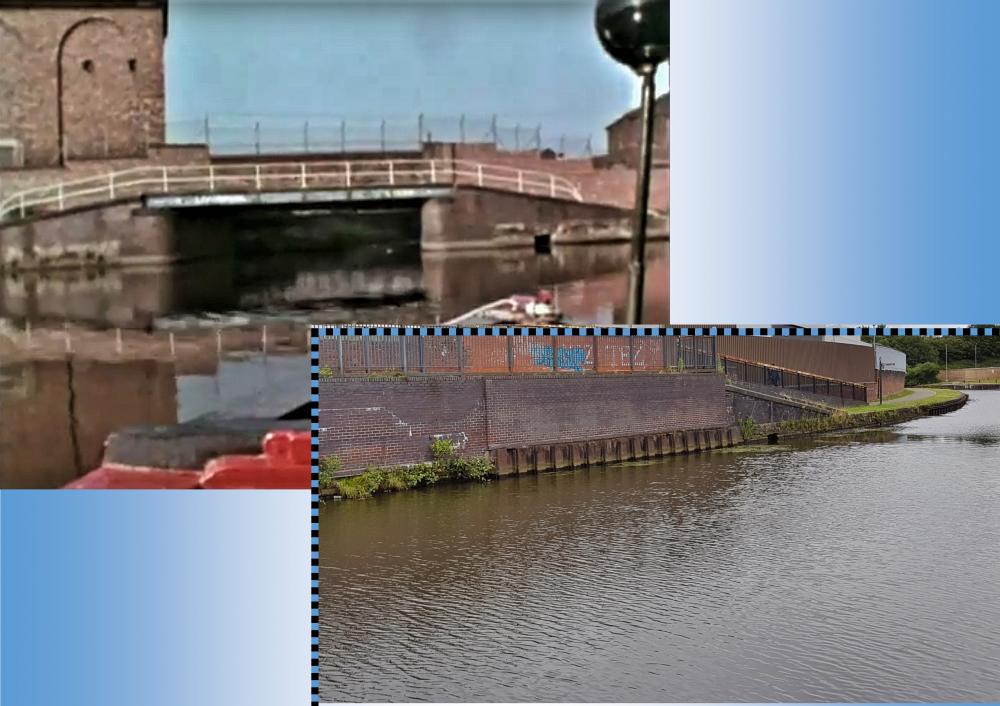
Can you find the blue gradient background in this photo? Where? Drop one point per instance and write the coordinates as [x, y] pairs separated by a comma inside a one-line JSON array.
[[834, 161], [154, 597]]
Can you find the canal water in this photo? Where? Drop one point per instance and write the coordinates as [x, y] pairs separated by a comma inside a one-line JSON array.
[[379, 281], [283, 273], [853, 567]]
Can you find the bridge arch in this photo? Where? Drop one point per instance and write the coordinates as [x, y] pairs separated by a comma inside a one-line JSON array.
[[98, 96]]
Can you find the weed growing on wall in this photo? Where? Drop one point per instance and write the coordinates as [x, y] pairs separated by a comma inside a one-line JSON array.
[[329, 467], [446, 466]]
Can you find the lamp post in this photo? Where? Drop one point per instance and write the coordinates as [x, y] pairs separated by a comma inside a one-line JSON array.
[[637, 33]]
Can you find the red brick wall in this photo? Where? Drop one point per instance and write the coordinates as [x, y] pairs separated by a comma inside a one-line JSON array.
[[541, 410], [518, 354], [370, 423], [613, 185], [625, 134], [43, 75]]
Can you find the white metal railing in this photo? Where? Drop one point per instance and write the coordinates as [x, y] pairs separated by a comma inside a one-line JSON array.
[[281, 176]]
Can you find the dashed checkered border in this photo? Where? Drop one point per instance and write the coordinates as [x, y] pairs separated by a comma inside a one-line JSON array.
[[314, 511], [318, 332], [328, 331]]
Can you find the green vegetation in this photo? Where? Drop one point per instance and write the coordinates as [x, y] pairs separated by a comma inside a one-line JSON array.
[[752, 449], [922, 374], [326, 372], [962, 351], [446, 466], [748, 427], [940, 395]]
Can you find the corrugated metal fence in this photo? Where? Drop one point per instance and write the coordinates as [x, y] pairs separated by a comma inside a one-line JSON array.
[[364, 355], [809, 354]]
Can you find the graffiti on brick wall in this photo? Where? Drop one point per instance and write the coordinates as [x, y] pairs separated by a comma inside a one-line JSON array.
[[458, 440], [567, 358]]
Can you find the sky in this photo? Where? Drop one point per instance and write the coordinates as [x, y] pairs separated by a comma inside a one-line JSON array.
[[529, 62]]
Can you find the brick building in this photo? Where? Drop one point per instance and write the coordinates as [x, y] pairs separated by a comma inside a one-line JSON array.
[[80, 80], [624, 135]]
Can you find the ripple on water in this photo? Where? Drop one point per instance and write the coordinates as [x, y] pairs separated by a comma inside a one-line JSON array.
[[837, 571]]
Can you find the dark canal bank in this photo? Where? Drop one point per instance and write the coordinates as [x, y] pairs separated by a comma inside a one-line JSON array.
[[854, 566]]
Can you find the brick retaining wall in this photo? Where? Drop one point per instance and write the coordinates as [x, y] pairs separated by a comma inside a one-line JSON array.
[[370, 423]]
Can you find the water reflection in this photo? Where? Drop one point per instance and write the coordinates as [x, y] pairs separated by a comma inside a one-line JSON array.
[[384, 282], [859, 567], [58, 408]]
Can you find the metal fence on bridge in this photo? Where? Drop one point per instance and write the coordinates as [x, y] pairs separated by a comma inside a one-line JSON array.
[[275, 134], [760, 374], [382, 355]]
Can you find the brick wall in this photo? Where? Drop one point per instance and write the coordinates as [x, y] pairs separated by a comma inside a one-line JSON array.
[[969, 374], [370, 423], [88, 79], [764, 411], [550, 409], [518, 354], [613, 185], [624, 135], [377, 423], [14, 180]]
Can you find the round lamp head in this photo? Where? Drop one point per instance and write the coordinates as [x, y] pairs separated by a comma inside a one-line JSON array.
[[635, 32]]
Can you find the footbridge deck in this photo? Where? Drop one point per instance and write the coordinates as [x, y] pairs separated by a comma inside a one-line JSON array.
[[282, 183]]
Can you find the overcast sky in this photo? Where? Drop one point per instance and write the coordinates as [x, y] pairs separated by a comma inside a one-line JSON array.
[[532, 62]]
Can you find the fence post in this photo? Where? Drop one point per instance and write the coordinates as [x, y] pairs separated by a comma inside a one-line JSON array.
[[593, 345], [631, 353], [392, 174], [61, 196], [420, 354], [552, 185], [111, 186], [460, 342], [663, 351], [402, 353], [340, 354], [520, 180], [347, 166], [493, 130], [366, 353], [166, 184], [433, 172], [510, 354], [302, 173], [256, 175], [715, 360], [479, 174], [207, 134], [538, 138], [555, 354], [461, 129], [211, 177], [256, 136]]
